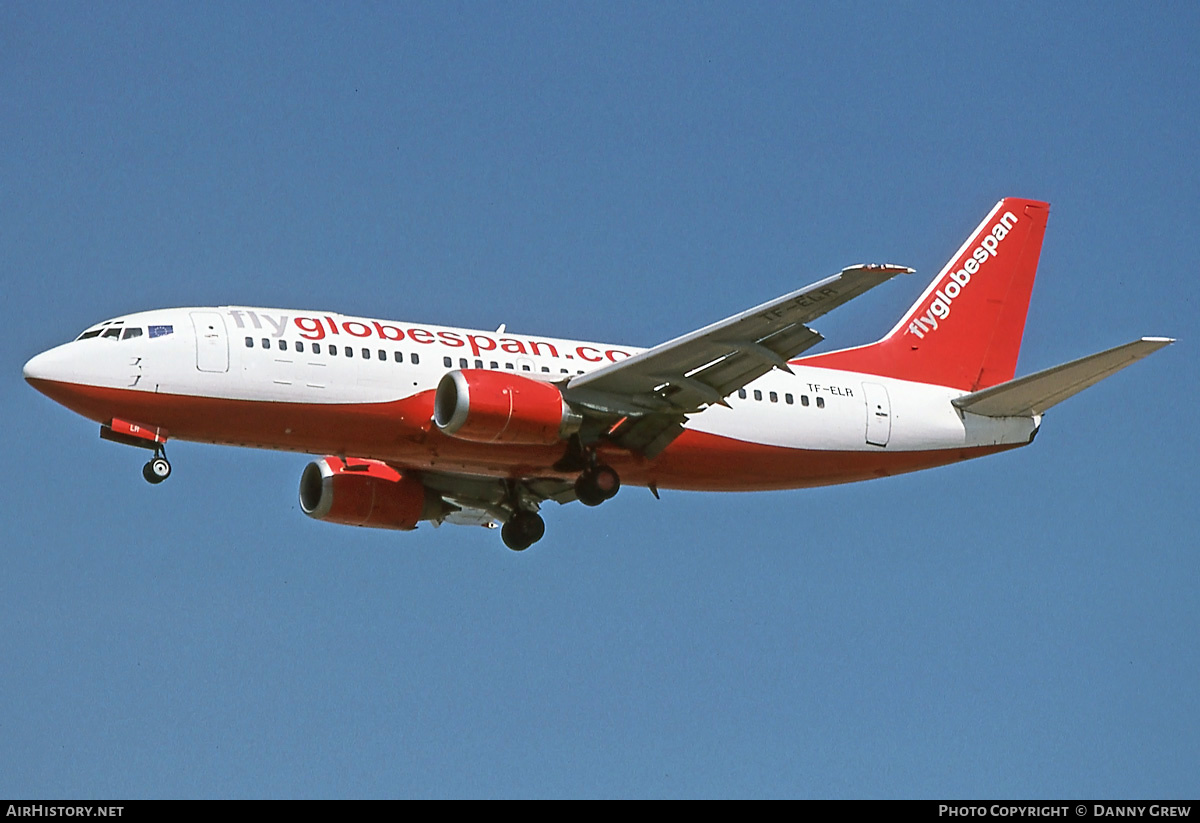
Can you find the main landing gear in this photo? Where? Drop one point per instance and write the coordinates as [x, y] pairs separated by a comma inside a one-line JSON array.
[[597, 484], [522, 530], [158, 468]]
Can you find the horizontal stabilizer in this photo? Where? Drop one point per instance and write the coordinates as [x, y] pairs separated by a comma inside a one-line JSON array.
[[1027, 396]]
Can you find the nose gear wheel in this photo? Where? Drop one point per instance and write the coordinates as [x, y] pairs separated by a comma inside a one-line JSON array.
[[158, 468]]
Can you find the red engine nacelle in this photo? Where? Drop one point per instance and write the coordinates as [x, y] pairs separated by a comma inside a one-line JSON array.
[[370, 493], [496, 407]]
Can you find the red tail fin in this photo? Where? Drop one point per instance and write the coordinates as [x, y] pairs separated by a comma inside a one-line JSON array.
[[965, 330]]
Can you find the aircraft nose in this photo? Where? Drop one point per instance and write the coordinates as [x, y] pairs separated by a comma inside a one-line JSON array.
[[53, 365], [38, 367], [61, 375]]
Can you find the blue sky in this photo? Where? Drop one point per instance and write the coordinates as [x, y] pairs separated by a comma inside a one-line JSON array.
[[1019, 626]]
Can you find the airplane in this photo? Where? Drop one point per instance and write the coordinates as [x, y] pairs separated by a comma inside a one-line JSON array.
[[426, 423]]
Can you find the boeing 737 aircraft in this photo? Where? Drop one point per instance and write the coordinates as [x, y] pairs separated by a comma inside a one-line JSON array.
[[448, 425]]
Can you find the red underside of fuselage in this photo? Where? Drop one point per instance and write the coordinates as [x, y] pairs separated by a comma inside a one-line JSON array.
[[401, 433]]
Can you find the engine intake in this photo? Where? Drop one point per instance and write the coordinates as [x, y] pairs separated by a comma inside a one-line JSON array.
[[357, 492], [496, 407]]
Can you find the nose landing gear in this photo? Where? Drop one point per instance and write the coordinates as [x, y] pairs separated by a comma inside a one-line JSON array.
[[142, 436], [157, 469]]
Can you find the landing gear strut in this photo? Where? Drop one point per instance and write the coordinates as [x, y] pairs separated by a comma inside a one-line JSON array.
[[158, 468], [597, 484], [522, 530]]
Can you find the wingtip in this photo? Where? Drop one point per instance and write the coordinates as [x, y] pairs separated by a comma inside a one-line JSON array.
[[891, 268]]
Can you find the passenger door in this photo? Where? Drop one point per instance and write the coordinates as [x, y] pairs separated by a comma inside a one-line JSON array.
[[212, 343]]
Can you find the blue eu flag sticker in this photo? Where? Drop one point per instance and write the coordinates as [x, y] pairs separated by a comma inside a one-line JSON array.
[[161, 331]]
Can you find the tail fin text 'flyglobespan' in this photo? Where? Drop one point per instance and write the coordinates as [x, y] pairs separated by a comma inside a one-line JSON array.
[[965, 330]]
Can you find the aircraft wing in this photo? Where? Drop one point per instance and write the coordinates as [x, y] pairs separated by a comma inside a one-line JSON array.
[[651, 393], [483, 501]]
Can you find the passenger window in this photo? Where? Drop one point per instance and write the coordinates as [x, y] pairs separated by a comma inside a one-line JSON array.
[[316, 348], [283, 345], [820, 402], [399, 356], [131, 333], [742, 394], [524, 367], [447, 362], [757, 394], [332, 350], [349, 351], [366, 354], [787, 398], [804, 400], [300, 346], [774, 397], [266, 343], [415, 359], [493, 365], [462, 362], [508, 366], [249, 342], [545, 368]]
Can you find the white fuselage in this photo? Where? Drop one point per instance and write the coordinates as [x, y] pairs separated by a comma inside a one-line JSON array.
[[248, 363]]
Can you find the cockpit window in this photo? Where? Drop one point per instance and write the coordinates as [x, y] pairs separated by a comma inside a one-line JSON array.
[[117, 330]]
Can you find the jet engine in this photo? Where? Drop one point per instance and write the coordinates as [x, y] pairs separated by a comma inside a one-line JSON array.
[[371, 493], [497, 407]]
